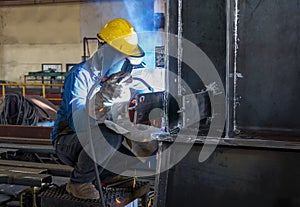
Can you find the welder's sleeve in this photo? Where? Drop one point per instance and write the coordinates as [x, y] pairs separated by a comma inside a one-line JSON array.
[[79, 93]]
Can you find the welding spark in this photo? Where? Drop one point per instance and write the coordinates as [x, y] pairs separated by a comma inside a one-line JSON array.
[[118, 200], [134, 182]]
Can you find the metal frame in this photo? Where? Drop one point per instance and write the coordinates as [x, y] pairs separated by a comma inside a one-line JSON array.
[[23, 86], [86, 50], [243, 166]]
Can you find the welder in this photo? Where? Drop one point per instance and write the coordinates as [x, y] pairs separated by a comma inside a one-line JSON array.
[[118, 51]]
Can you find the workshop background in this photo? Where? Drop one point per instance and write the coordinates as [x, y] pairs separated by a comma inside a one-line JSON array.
[[247, 119], [36, 32]]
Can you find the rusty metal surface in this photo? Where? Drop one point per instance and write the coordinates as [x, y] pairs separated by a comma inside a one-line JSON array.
[[25, 131], [20, 140], [25, 138], [114, 197]]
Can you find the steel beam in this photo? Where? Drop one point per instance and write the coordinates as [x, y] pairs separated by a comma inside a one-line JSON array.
[[25, 131], [29, 179], [53, 169]]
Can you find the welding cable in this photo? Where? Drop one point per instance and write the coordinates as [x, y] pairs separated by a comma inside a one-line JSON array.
[[150, 88], [18, 111], [30, 112], [25, 114], [89, 135], [31, 116]]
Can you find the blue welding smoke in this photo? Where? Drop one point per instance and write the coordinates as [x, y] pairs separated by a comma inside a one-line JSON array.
[[140, 13]]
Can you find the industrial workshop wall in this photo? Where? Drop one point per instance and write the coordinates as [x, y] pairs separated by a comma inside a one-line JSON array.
[[32, 35], [53, 33]]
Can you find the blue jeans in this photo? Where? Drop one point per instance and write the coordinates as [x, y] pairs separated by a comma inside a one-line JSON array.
[[70, 151]]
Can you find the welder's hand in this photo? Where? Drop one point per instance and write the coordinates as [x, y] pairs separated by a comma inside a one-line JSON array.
[[118, 77], [110, 91], [112, 87], [99, 109]]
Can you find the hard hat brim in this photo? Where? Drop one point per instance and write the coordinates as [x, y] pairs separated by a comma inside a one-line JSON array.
[[135, 52], [139, 52]]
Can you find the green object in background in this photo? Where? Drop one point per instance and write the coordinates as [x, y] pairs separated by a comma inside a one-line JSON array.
[[47, 73]]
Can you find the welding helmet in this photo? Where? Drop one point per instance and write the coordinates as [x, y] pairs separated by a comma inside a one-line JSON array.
[[120, 34]]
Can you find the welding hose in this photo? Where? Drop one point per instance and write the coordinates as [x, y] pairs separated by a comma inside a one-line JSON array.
[[145, 83], [89, 135], [26, 112]]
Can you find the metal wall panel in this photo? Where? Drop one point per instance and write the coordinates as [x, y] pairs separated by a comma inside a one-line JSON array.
[[262, 76], [267, 89], [263, 72], [204, 24], [232, 176]]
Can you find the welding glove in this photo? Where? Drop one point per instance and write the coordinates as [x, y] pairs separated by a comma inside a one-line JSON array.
[[110, 91]]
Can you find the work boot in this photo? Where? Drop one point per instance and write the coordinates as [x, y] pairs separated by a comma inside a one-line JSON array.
[[83, 190]]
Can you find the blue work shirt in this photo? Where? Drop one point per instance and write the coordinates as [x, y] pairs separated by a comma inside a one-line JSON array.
[[77, 85]]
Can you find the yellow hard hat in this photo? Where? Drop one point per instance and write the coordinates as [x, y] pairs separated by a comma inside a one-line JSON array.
[[120, 34]]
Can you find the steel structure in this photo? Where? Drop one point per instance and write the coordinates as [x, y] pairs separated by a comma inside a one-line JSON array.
[[254, 46]]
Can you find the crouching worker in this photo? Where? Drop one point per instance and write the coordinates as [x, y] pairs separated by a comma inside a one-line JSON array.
[[118, 46]]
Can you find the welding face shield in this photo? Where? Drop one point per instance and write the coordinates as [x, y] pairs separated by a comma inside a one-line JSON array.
[[114, 68], [108, 60], [126, 65], [136, 60], [132, 62]]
